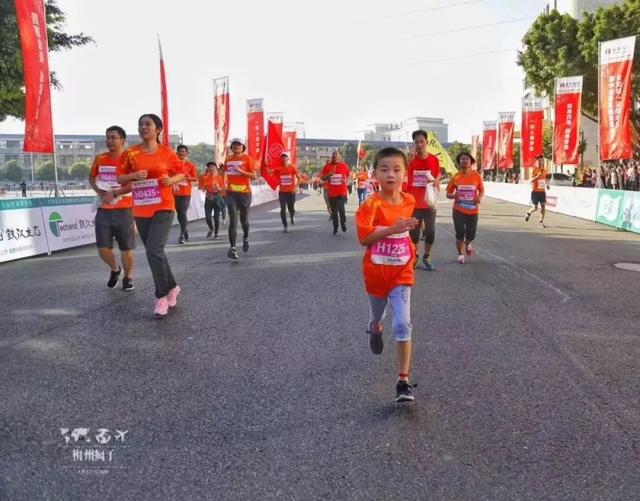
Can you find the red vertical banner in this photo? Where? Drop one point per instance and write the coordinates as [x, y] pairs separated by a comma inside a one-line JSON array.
[[274, 147], [614, 107], [532, 123], [277, 119], [489, 141], [221, 116], [506, 127], [164, 99], [290, 140], [475, 140], [566, 128], [38, 133], [255, 129]]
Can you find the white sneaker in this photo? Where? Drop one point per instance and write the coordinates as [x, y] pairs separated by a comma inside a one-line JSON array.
[[460, 259]]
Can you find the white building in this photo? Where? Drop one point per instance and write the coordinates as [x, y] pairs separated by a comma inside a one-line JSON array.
[[577, 8], [401, 132]]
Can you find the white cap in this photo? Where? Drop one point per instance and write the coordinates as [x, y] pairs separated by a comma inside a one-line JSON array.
[[237, 140]]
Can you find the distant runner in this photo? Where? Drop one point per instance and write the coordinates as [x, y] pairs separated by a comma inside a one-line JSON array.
[[539, 191]]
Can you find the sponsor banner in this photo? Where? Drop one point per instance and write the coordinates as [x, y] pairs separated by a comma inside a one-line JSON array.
[[221, 116], [506, 127], [630, 217], [22, 231], [532, 122], [164, 99], [489, 140], [566, 130], [38, 132], [616, 61], [290, 140], [255, 129], [609, 207], [69, 225], [271, 154]]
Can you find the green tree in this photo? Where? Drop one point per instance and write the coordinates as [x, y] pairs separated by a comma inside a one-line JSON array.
[[456, 147], [200, 154], [11, 75], [547, 143], [349, 154], [13, 171], [79, 170], [44, 171]]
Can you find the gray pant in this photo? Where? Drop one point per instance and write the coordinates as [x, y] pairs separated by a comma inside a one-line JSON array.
[[182, 206], [154, 232]]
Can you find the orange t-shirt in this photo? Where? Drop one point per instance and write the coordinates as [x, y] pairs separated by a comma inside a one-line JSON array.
[[540, 185], [287, 177], [149, 195], [237, 182], [389, 262], [336, 185], [211, 183], [468, 187], [363, 178], [183, 189], [104, 169], [418, 177]]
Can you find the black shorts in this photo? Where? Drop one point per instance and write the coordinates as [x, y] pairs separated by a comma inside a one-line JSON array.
[[466, 226], [118, 224], [539, 197], [240, 200]]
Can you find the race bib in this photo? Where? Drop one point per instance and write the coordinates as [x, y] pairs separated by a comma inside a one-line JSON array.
[[286, 180], [394, 250], [466, 193], [362, 185], [232, 168], [542, 185], [107, 177], [336, 180], [146, 192], [421, 178]]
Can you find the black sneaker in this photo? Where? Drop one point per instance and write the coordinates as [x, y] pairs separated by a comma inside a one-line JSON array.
[[233, 254], [375, 341], [127, 284], [186, 236], [404, 392], [335, 232], [528, 215], [113, 278], [180, 239], [344, 228], [245, 245], [209, 233]]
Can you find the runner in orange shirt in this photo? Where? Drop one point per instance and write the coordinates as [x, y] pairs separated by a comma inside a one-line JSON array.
[[288, 179], [153, 170], [182, 191], [337, 177], [383, 223], [539, 191], [113, 218], [212, 183], [466, 189], [239, 172], [362, 179]]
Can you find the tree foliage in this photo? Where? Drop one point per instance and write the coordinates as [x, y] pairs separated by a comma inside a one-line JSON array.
[[45, 171], [79, 170], [11, 75], [13, 171], [200, 154]]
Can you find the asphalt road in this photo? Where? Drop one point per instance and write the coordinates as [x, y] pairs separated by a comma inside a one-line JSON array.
[[261, 385]]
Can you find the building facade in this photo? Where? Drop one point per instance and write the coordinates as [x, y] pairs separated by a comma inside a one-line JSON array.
[[401, 132], [577, 8]]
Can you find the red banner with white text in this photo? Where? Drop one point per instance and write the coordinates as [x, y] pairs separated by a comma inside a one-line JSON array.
[[566, 129], [506, 127], [489, 140], [532, 123], [38, 133], [274, 147], [255, 129], [290, 140], [616, 61], [221, 116]]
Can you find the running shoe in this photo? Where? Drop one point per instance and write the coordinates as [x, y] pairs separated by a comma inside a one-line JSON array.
[[127, 284], [180, 239], [113, 278], [426, 261], [460, 259], [293, 223], [216, 237], [335, 231], [209, 233], [285, 230], [161, 307], [469, 250], [375, 340], [233, 254], [344, 228], [527, 216], [404, 392], [416, 262], [245, 245], [186, 236], [172, 297], [541, 225]]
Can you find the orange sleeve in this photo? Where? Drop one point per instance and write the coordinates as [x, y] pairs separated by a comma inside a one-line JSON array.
[[126, 166], [365, 218], [451, 186], [175, 166], [94, 168]]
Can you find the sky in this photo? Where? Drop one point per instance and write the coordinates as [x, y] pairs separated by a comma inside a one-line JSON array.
[[335, 65]]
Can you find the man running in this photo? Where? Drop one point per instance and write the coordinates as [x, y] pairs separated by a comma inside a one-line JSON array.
[[337, 176], [424, 169], [114, 219], [182, 191], [538, 193], [288, 179]]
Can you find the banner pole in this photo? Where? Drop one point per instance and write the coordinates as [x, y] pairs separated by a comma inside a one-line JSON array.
[[553, 129], [598, 149]]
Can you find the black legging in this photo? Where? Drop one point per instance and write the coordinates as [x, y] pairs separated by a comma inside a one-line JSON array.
[[238, 203], [182, 206], [287, 201], [466, 226], [337, 207], [213, 204]]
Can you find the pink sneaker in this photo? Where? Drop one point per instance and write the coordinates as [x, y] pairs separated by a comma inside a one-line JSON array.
[[469, 250], [172, 297], [460, 259], [161, 307]]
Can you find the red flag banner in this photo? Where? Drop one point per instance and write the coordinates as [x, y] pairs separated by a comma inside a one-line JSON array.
[[255, 129], [475, 139], [278, 121], [290, 140], [506, 126], [38, 133], [221, 116], [566, 129], [362, 153], [532, 123], [489, 140], [164, 99], [616, 61], [274, 147]]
